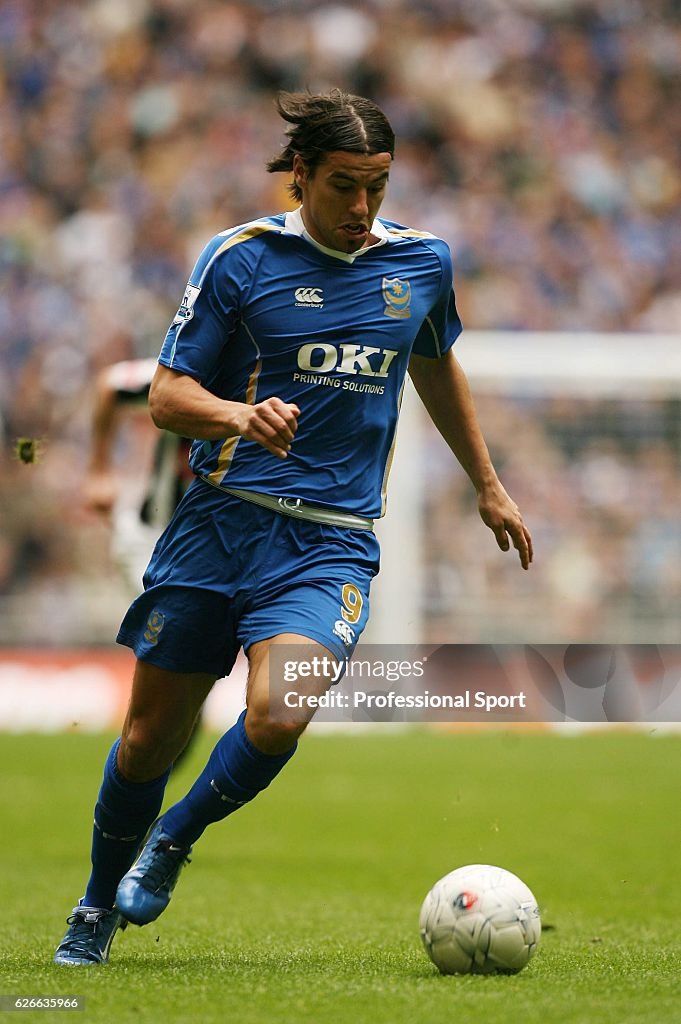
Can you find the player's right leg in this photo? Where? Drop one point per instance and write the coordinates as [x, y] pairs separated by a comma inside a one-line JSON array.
[[161, 715]]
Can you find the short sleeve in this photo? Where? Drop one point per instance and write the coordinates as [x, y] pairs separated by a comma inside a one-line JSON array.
[[442, 325], [206, 317]]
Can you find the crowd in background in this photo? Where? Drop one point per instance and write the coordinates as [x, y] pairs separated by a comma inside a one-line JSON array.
[[540, 138]]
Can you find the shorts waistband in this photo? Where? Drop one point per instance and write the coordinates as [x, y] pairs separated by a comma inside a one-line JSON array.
[[299, 509]]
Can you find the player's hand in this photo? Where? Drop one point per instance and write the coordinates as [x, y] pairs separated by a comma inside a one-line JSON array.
[[502, 515], [271, 423], [100, 491]]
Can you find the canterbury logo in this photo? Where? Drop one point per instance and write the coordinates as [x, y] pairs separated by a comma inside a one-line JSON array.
[[309, 297]]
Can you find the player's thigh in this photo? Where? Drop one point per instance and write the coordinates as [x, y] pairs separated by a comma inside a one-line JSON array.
[[161, 714], [161, 695], [266, 661], [278, 707]]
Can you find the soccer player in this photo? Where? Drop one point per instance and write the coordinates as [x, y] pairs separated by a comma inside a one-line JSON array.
[[125, 385], [286, 362]]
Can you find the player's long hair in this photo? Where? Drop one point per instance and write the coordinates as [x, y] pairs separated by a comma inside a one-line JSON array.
[[323, 123]]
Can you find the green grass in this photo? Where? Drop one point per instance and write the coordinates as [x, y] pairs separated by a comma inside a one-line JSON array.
[[303, 907]]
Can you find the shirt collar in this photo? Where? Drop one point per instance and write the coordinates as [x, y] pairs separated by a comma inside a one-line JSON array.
[[293, 225]]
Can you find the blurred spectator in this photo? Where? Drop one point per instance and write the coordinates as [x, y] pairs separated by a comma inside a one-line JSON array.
[[540, 139]]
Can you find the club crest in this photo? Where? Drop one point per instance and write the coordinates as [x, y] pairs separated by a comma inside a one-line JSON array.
[[155, 624], [397, 298]]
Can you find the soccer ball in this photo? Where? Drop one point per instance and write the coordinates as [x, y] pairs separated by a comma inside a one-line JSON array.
[[480, 919]]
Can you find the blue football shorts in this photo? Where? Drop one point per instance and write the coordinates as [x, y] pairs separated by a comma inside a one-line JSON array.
[[226, 573]]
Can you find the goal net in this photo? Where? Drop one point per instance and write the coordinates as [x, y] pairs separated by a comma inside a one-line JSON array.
[[585, 432]]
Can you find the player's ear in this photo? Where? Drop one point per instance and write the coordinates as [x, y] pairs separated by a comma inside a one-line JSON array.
[[300, 171]]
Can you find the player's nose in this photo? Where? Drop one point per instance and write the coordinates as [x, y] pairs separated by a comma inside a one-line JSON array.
[[360, 204]]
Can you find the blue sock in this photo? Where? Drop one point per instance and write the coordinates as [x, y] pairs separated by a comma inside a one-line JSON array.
[[236, 772], [123, 813]]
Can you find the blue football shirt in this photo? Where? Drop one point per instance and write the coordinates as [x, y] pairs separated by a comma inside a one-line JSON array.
[[269, 312]]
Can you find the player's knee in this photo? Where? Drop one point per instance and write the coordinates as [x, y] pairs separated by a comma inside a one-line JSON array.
[[272, 734], [147, 751]]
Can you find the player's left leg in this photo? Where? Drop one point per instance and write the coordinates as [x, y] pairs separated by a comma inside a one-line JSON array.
[[243, 763]]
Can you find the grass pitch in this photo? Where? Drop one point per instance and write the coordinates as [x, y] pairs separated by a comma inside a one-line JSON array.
[[303, 907]]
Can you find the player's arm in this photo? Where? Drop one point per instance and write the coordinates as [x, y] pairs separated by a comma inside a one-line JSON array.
[[100, 487], [122, 384], [180, 404], [443, 389]]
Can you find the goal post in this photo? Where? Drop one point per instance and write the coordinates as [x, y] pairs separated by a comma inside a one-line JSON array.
[[577, 364]]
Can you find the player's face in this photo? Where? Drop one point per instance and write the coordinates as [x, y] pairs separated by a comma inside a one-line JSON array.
[[342, 197]]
